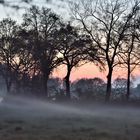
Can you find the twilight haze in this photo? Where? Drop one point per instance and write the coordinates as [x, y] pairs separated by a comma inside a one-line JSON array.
[[85, 71]]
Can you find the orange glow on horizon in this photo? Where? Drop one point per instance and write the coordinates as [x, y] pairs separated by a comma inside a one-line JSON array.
[[90, 71]]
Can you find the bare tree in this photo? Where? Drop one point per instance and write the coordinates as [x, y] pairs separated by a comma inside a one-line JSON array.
[[72, 49], [129, 55], [24, 64], [106, 22], [42, 26], [8, 50]]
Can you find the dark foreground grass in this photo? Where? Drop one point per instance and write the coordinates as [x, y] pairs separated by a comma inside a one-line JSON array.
[[17, 123]]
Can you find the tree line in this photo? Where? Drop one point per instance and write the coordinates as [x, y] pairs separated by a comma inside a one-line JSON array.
[[103, 32]]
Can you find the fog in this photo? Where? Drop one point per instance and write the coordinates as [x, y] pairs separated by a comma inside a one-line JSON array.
[[38, 119], [41, 107]]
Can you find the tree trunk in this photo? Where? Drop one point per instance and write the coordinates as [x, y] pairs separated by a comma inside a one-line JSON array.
[[8, 88], [108, 89], [67, 82], [45, 85], [129, 67], [8, 85], [128, 83]]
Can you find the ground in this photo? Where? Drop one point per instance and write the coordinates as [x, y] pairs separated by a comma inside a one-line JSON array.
[[37, 120]]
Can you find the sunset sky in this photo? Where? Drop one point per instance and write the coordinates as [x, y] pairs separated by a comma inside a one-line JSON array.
[[90, 71], [86, 71]]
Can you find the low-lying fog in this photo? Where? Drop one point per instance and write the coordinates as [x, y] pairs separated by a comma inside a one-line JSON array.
[[43, 120], [38, 107]]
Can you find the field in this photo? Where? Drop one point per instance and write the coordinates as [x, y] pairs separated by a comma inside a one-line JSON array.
[[23, 119]]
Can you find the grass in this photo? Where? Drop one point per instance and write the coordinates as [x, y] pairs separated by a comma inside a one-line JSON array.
[[17, 123]]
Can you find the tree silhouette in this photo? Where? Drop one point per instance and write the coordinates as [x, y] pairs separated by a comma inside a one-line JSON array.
[[106, 22], [72, 48], [89, 88], [120, 87], [8, 50], [129, 55], [42, 26]]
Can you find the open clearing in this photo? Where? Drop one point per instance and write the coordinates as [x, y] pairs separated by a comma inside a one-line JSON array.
[[37, 120]]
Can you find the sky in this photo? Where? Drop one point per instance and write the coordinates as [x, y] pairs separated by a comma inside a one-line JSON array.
[[87, 70], [90, 71]]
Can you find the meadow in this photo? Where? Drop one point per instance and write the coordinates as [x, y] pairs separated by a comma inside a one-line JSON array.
[[25, 119]]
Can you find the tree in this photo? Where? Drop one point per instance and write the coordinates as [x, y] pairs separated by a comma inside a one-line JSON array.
[[54, 86], [89, 88], [120, 83], [106, 22], [8, 50], [129, 55], [24, 66], [120, 86], [98, 86], [84, 88], [72, 51], [42, 25]]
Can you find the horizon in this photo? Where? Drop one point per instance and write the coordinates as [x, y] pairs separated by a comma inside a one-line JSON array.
[[91, 71]]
